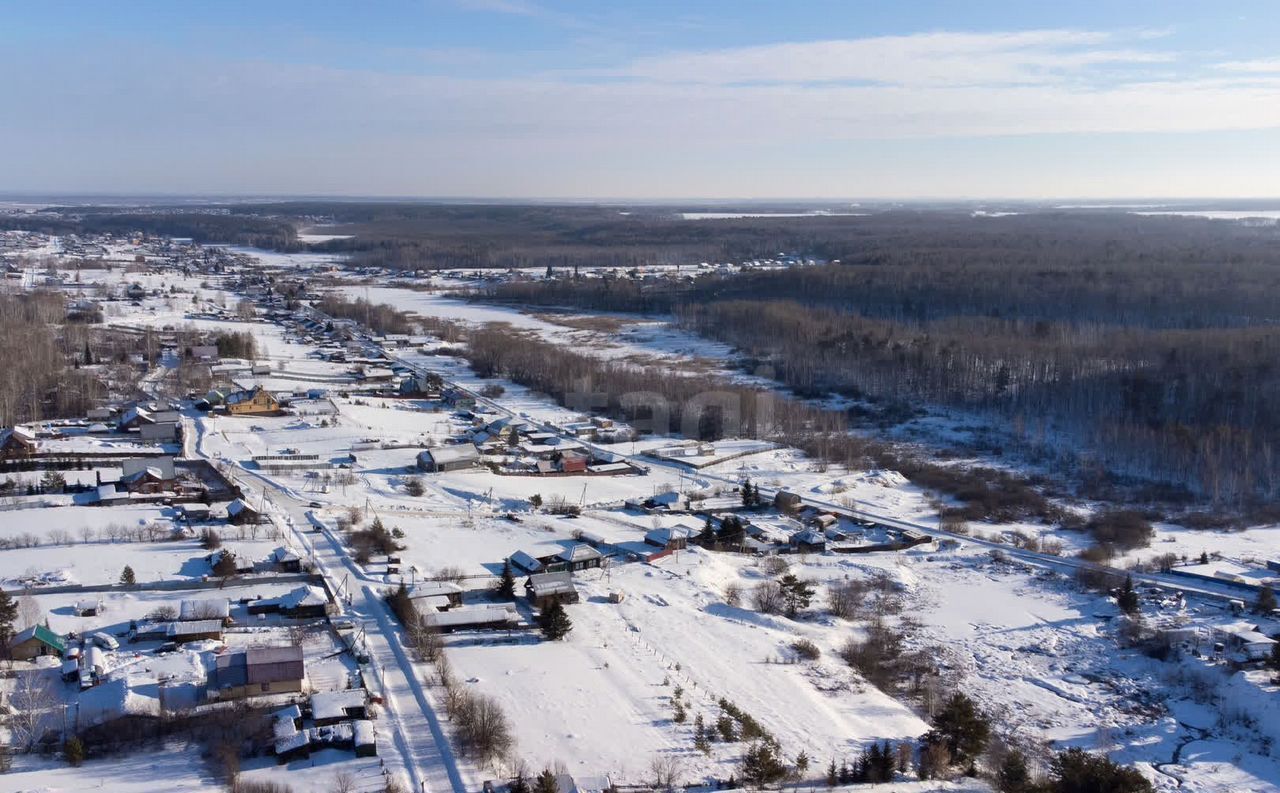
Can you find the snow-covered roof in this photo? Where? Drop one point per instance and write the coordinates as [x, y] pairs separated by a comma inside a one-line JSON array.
[[208, 608], [579, 553], [525, 561], [477, 615], [334, 704], [238, 506], [455, 453], [362, 732], [665, 534], [115, 699], [193, 627]]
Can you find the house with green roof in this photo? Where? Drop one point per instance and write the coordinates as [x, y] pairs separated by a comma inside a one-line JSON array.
[[34, 642]]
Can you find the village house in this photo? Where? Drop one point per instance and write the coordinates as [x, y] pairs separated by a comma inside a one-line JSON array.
[[543, 589], [255, 402], [133, 418], [808, 541], [502, 616], [159, 432], [149, 475], [579, 557], [18, 442], [34, 642], [668, 538], [304, 602], [239, 513], [256, 671]]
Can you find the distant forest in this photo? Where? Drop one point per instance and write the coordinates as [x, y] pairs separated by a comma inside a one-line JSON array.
[[1140, 346]]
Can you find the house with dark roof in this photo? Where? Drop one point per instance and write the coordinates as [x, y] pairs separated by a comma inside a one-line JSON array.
[[544, 589], [255, 671]]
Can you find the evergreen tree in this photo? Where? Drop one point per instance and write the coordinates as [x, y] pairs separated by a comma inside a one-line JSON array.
[[882, 768], [1013, 776], [746, 493], [833, 775], [1127, 600], [554, 621], [519, 784], [507, 583], [73, 751], [127, 577], [761, 765], [1274, 660], [1078, 771], [8, 616], [546, 782], [1266, 601], [802, 763], [963, 728], [796, 594]]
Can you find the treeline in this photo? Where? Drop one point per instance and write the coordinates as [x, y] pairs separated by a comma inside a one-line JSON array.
[[1194, 407], [1120, 347], [201, 227], [378, 317], [39, 357], [706, 407]]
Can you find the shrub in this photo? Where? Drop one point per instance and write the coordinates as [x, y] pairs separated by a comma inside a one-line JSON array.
[[805, 649], [1125, 528]]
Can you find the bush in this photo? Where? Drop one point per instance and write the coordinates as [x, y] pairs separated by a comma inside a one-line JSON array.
[[806, 650], [73, 751], [767, 598], [210, 540], [1125, 528], [414, 486]]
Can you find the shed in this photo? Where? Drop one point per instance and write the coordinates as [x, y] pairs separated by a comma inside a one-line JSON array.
[[525, 562], [454, 457], [194, 630], [786, 501], [205, 609], [331, 707], [364, 738]]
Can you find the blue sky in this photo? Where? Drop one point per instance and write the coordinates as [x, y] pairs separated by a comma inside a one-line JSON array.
[[546, 99]]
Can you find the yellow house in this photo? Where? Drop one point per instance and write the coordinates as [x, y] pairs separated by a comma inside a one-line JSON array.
[[252, 403]]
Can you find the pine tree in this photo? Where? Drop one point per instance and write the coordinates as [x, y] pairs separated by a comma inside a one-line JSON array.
[[1127, 600], [700, 740], [833, 774], [963, 728], [761, 766], [746, 493], [554, 621], [796, 594], [1013, 776], [802, 763], [73, 751], [127, 577], [1266, 601], [8, 616], [546, 782], [519, 784], [507, 584]]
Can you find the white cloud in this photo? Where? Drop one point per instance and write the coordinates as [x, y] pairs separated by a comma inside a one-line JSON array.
[[1026, 57], [1259, 66]]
